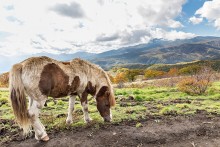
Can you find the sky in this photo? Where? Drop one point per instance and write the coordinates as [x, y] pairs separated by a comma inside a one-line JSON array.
[[69, 26]]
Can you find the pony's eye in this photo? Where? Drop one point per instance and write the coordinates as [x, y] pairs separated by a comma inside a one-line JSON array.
[[107, 105]]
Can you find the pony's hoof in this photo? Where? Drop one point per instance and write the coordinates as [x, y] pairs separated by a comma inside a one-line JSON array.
[[46, 138]]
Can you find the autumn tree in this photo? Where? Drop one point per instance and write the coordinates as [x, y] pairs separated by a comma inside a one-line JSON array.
[[120, 78], [173, 72], [150, 74]]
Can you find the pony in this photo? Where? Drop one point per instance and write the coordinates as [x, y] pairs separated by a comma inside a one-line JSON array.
[[41, 77]]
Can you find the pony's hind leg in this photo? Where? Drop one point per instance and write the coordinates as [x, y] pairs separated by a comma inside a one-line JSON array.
[[39, 129], [72, 99]]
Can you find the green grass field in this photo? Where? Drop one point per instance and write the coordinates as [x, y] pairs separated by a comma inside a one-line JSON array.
[[132, 104]]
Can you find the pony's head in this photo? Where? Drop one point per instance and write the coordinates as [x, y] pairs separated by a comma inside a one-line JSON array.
[[105, 99]]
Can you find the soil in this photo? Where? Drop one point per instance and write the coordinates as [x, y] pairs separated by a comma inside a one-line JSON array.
[[202, 130]]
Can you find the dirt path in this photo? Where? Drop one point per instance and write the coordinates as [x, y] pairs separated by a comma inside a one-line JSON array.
[[199, 131]]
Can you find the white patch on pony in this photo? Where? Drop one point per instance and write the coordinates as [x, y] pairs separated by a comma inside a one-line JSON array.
[[69, 119], [111, 114]]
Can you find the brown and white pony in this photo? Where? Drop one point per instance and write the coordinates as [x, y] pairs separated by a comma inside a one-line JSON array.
[[40, 77]]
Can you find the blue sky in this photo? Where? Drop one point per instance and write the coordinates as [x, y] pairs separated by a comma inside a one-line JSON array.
[[205, 28], [54, 26]]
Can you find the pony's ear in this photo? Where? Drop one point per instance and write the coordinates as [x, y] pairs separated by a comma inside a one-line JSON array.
[[102, 91], [107, 93]]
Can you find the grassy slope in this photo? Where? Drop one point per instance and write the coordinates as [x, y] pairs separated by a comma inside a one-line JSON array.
[[215, 64], [166, 67], [154, 101]]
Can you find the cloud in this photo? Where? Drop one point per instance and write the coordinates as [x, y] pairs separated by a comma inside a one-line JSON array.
[[173, 35], [162, 12], [72, 10], [210, 11], [103, 38], [195, 20], [14, 19], [135, 36], [94, 25]]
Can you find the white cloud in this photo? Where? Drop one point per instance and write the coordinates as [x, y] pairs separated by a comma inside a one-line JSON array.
[[170, 35], [195, 20], [94, 26], [211, 11]]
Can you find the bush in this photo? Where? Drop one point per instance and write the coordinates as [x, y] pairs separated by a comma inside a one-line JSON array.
[[197, 84], [4, 79], [193, 87]]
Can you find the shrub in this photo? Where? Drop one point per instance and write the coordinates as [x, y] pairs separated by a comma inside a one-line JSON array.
[[192, 86], [4, 79], [197, 84]]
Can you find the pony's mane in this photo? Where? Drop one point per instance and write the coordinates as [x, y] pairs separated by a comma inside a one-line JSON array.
[[96, 67]]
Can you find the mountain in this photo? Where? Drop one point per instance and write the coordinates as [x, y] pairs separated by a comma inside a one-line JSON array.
[[160, 51]]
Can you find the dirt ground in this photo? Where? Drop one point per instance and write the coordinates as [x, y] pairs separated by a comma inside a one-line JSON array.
[[200, 130]]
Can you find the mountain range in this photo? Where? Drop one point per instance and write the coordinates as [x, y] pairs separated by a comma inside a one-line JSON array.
[[154, 52], [160, 51]]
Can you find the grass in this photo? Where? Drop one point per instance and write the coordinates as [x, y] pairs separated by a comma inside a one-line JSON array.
[[156, 101]]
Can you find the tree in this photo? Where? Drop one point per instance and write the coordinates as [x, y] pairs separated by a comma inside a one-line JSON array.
[[120, 78], [131, 74], [173, 72], [150, 74]]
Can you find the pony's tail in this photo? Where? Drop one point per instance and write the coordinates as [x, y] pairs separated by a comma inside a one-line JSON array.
[[18, 99]]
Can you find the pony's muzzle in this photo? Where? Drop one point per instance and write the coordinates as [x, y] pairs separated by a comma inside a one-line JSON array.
[[107, 118]]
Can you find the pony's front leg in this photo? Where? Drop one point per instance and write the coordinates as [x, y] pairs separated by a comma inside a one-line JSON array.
[[72, 99], [39, 129], [84, 103]]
